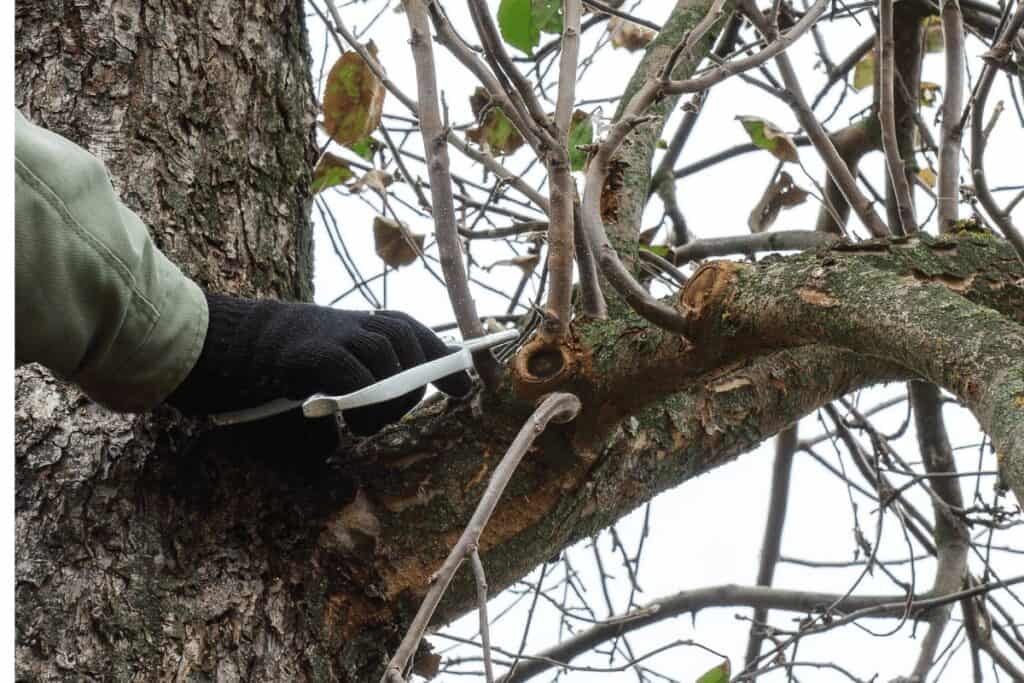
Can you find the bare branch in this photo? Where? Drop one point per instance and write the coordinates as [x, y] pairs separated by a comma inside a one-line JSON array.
[[785, 449], [692, 601], [436, 151], [562, 188], [556, 407], [951, 536], [952, 105], [839, 171], [998, 54], [780, 240], [481, 596], [887, 117], [774, 48]]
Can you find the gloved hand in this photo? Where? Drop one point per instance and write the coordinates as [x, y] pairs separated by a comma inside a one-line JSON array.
[[256, 351]]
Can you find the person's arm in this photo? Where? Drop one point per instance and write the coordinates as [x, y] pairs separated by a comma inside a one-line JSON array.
[[95, 300], [97, 303]]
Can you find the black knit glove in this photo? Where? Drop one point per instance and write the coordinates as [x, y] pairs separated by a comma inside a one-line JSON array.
[[256, 351]]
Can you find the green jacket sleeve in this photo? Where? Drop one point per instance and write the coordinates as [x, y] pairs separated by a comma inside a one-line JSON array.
[[96, 301]]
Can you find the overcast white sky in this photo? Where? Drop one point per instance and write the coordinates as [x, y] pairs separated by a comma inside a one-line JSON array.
[[707, 531]]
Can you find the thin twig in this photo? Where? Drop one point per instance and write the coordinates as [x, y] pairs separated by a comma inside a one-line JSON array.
[[436, 150], [785, 449], [481, 598], [833, 162], [999, 53]]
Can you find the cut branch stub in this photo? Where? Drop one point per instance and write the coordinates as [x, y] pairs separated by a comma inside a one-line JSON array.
[[543, 365], [707, 292]]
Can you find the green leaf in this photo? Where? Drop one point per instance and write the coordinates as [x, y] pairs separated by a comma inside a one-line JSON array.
[[494, 131], [581, 132], [515, 20], [864, 72], [766, 135], [720, 674], [661, 250], [331, 170], [365, 147], [353, 99], [547, 15]]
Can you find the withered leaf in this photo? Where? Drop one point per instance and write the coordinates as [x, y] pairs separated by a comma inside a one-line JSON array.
[[394, 244], [353, 99], [375, 179], [626, 34], [782, 194]]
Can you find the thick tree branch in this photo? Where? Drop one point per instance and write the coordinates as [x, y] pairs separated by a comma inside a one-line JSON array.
[[987, 373]]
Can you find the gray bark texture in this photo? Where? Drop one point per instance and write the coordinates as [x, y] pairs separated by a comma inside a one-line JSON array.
[[203, 113], [150, 548]]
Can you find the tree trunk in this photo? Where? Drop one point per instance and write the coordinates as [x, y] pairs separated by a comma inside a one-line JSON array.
[[131, 561]]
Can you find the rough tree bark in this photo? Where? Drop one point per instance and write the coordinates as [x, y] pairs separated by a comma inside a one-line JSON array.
[[149, 548]]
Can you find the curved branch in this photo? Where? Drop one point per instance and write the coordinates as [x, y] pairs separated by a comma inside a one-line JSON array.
[[558, 408], [968, 349], [998, 54], [693, 601]]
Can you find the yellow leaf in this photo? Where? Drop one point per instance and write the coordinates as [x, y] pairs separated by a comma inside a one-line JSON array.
[[766, 135], [864, 72], [927, 175]]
